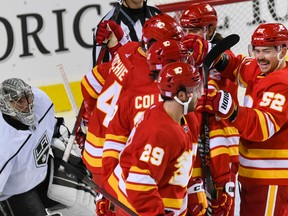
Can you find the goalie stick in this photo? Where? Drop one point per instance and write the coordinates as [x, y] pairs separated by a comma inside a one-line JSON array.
[[204, 143], [78, 114], [65, 166]]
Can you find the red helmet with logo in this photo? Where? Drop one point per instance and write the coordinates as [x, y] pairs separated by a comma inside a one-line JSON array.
[[161, 27], [175, 75], [270, 34], [163, 52], [199, 15]]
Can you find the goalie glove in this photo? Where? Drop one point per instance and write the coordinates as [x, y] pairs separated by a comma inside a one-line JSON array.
[[197, 45], [221, 206], [219, 103], [197, 201]]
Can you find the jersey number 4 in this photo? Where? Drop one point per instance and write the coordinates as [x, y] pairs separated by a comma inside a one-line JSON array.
[[107, 101]]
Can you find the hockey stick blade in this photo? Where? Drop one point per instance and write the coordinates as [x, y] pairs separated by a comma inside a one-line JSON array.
[[216, 51]]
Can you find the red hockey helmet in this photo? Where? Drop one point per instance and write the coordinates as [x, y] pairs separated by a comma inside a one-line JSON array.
[[163, 52], [175, 75], [199, 15], [161, 27], [270, 34]]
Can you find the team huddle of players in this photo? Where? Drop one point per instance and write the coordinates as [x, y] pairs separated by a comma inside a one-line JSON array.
[[145, 107], [151, 162]]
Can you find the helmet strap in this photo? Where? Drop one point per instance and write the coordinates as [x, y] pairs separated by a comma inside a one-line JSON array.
[[280, 60], [212, 37], [185, 104]]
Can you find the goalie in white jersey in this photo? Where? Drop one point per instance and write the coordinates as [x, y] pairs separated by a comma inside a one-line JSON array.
[[27, 124]]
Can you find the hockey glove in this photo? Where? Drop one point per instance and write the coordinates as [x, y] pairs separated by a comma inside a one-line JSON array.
[[80, 138], [197, 201], [221, 62], [197, 45], [111, 33], [219, 103], [224, 200], [103, 207], [80, 134]]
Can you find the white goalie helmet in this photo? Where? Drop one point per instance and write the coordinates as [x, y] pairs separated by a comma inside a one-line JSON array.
[[16, 100]]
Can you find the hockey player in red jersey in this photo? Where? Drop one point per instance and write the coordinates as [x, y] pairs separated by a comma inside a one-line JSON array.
[[130, 108], [262, 121], [134, 102], [201, 19], [200, 22], [156, 164], [128, 69]]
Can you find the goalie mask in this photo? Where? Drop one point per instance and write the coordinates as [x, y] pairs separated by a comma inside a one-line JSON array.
[[16, 100]]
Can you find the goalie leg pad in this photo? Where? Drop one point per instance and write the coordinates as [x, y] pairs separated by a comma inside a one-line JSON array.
[[66, 189]]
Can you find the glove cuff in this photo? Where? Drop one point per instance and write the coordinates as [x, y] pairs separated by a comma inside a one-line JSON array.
[[227, 107], [222, 62], [233, 116], [230, 189], [114, 49], [196, 187]]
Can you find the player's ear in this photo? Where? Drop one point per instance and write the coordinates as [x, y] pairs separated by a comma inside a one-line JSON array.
[[182, 95], [211, 30], [283, 52]]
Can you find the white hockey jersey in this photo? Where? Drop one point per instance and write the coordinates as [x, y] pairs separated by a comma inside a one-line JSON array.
[[24, 153]]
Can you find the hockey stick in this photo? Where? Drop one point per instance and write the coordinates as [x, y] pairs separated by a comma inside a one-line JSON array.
[[78, 113], [88, 181], [204, 146]]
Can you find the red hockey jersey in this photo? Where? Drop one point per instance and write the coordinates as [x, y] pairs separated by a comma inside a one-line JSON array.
[[131, 106], [262, 122], [128, 69], [157, 164]]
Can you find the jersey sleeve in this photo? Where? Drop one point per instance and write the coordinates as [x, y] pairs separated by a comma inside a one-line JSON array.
[[5, 171], [235, 71], [92, 83], [223, 147], [116, 137], [193, 120]]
